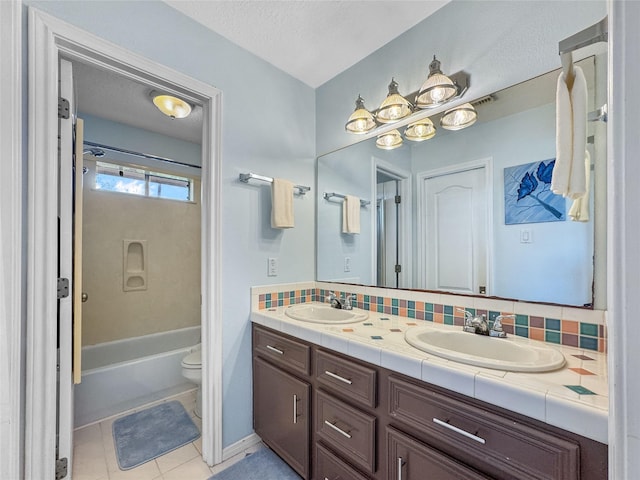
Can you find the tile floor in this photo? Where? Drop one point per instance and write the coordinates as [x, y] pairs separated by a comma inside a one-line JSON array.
[[94, 456]]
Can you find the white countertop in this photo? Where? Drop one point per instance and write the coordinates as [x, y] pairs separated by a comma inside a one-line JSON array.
[[543, 396]]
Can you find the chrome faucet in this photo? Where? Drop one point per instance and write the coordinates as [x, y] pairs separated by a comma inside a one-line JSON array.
[[496, 328], [347, 302], [475, 323], [333, 300]]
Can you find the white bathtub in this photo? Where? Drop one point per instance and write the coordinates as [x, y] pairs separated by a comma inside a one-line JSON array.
[[124, 374]]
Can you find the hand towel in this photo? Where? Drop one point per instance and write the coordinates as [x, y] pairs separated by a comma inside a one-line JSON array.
[[571, 136], [351, 214], [281, 203], [579, 211], [577, 179]]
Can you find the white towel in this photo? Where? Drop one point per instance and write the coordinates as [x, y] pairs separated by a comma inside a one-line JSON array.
[[351, 214], [281, 203], [579, 211], [569, 176]]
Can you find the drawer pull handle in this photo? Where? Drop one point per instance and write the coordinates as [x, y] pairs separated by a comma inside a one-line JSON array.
[[295, 408], [337, 429], [276, 350], [400, 465], [459, 430], [338, 377]]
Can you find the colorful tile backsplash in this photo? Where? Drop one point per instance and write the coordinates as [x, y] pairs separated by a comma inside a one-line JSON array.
[[588, 336]]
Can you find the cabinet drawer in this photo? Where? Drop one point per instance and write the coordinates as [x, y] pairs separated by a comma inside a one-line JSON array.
[[330, 467], [346, 378], [347, 429], [409, 459], [283, 351], [497, 445]]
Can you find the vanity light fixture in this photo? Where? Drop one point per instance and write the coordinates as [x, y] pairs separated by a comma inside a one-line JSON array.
[[389, 140], [420, 130], [437, 90], [395, 107], [361, 120], [171, 106], [459, 117]]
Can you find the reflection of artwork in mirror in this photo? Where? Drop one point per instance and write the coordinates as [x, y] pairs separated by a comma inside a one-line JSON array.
[[528, 197]]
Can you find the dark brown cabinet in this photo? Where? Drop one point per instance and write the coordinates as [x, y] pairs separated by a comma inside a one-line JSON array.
[[351, 420], [281, 406], [409, 459]]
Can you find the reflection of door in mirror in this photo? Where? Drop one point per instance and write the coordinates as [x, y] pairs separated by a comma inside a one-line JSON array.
[[454, 219], [387, 220]]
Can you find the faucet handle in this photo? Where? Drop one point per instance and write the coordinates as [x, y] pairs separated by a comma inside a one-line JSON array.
[[468, 316], [496, 328], [348, 301]]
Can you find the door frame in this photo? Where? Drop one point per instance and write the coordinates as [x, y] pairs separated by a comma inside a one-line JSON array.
[[11, 221], [487, 164], [404, 189], [50, 37]]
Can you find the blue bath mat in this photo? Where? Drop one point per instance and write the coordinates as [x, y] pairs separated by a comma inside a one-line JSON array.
[[150, 433], [262, 465]]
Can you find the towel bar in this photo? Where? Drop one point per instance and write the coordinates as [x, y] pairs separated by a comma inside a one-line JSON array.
[[328, 195], [245, 177]]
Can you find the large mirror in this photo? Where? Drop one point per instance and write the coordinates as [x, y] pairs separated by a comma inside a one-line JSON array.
[[470, 211]]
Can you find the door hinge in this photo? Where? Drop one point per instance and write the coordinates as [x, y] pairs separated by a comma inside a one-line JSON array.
[[398, 268], [63, 108], [61, 468], [398, 199], [63, 288]]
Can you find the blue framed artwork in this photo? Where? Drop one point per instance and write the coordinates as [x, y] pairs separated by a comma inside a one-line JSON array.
[[528, 197]]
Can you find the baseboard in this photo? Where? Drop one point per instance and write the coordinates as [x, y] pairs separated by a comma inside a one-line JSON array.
[[240, 446]]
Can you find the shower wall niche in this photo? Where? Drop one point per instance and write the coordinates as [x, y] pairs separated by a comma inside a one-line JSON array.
[[134, 271]]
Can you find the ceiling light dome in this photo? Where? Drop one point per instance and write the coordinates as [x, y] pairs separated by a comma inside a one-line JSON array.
[[171, 106], [460, 117], [361, 120], [395, 107], [437, 90], [420, 130], [389, 140]]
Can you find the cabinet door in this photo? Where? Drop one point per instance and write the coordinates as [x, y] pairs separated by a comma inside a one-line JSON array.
[[409, 459], [281, 414]]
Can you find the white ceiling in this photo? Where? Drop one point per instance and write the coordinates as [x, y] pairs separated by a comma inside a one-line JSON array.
[[312, 40]]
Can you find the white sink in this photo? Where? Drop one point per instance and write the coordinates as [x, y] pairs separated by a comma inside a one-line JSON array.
[[319, 313], [512, 353]]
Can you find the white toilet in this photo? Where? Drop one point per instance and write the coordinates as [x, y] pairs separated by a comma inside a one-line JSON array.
[[192, 371]]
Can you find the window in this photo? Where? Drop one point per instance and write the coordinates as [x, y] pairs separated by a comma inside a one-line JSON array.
[[139, 181]]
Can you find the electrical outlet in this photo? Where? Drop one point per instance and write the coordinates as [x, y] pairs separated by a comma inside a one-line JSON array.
[[272, 267], [347, 264]]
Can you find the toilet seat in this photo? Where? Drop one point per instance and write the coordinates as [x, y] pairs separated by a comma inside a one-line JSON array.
[[193, 361]]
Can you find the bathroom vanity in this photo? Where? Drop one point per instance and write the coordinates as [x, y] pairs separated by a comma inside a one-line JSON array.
[[330, 415]]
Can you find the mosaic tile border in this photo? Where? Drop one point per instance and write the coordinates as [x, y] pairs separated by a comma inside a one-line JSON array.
[[588, 336]]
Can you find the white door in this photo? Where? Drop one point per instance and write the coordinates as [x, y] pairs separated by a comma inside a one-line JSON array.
[[65, 266], [455, 232]]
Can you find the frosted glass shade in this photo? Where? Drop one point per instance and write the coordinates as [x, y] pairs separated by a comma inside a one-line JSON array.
[[420, 130], [459, 117], [436, 90], [172, 106], [389, 140], [395, 107], [361, 120]]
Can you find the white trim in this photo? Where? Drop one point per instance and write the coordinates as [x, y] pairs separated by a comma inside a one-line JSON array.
[[11, 223], [406, 233], [623, 255], [48, 38], [240, 446], [487, 164]]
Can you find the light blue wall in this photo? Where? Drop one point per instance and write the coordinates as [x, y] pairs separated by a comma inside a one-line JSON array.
[[499, 43], [268, 126], [114, 134]]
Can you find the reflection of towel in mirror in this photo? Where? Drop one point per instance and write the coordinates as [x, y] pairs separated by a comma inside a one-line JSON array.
[[571, 136], [281, 203], [579, 211], [351, 214]]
